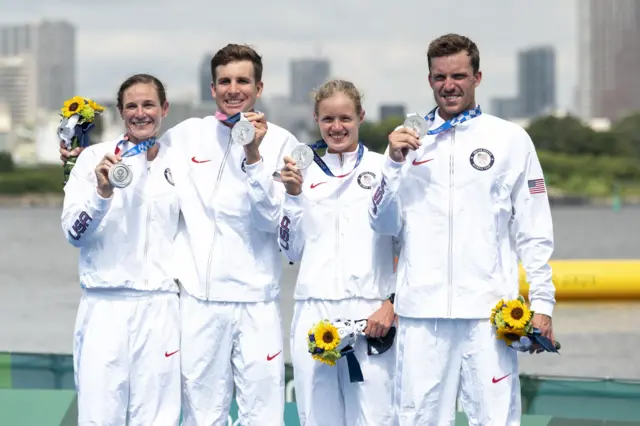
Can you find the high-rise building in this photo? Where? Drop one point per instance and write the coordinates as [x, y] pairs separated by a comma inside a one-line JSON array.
[[17, 91], [387, 111], [506, 108], [204, 79], [536, 81], [609, 58], [307, 75], [51, 46]]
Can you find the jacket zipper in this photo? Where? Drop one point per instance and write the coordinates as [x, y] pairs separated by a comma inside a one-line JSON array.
[[146, 237], [337, 248], [215, 190], [451, 192]]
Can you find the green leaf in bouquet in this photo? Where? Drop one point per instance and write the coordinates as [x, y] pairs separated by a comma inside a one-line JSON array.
[[500, 322], [529, 328]]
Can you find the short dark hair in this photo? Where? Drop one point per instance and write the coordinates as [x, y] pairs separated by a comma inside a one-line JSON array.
[[145, 79], [450, 44], [234, 53]]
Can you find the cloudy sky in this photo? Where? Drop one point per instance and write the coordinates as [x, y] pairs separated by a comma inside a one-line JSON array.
[[380, 45]]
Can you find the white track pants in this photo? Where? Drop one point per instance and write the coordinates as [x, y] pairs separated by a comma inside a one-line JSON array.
[[225, 343], [439, 359], [126, 358], [324, 394]]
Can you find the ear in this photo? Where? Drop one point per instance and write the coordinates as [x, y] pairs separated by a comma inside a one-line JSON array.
[[259, 86], [430, 81], [478, 77], [213, 90], [362, 114], [165, 109]]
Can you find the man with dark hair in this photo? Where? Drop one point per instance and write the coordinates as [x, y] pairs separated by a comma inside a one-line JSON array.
[[228, 261], [467, 198]]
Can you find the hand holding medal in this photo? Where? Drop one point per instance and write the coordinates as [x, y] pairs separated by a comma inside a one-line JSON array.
[[114, 171], [104, 174]]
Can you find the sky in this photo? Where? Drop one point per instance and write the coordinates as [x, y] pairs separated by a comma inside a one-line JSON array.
[[379, 45]]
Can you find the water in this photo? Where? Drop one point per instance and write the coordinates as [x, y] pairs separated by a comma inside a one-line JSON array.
[[39, 292]]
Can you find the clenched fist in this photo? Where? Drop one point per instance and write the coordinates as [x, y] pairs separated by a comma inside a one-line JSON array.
[[291, 176], [401, 141], [105, 189]]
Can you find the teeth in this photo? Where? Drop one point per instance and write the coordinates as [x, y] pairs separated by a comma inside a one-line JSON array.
[[234, 101]]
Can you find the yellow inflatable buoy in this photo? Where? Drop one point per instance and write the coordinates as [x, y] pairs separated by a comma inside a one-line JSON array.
[[594, 279]]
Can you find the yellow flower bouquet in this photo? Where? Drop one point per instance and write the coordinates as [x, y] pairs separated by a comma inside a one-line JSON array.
[[512, 321], [328, 341], [78, 116], [323, 343]]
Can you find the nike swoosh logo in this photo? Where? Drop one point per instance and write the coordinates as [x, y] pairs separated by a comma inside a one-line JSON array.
[[168, 354], [417, 163], [494, 380], [270, 357], [199, 161], [313, 185]]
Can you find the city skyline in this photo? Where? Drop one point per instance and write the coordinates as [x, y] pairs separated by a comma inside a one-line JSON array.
[[385, 58]]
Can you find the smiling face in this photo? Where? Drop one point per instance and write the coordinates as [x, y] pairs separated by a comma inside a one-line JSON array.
[[454, 83], [339, 122], [142, 111], [235, 88], [338, 112]]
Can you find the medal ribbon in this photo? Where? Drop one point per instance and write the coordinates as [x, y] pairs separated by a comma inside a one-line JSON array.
[[449, 124], [230, 121], [137, 149], [322, 144]]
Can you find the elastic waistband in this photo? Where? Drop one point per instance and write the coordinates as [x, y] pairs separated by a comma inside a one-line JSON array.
[[120, 293]]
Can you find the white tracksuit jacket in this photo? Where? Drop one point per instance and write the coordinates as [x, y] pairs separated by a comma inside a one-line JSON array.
[[125, 241], [326, 229], [226, 248], [467, 204]]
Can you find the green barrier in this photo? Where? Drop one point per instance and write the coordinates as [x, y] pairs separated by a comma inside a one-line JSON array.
[[58, 407], [585, 401], [5, 371], [39, 407]]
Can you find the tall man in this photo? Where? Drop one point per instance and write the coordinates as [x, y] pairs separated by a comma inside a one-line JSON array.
[[228, 258], [467, 200]]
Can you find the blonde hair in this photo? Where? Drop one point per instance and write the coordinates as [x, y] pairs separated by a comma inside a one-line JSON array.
[[332, 87]]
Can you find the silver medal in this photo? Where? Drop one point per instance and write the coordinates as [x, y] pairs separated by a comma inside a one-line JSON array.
[[120, 175], [243, 132], [303, 156], [417, 123]]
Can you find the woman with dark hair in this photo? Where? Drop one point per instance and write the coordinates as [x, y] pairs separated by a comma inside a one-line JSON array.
[[121, 209]]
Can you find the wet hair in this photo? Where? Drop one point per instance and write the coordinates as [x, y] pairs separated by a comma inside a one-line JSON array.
[[144, 79], [450, 44], [235, 53], [332, 87]]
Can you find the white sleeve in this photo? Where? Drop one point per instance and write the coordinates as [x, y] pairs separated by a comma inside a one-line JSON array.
[[385, 211], [266, 194], [291, 234], [83, 209], [532, 231]]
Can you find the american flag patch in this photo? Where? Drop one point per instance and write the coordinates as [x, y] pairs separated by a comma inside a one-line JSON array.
[[536, 186]]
